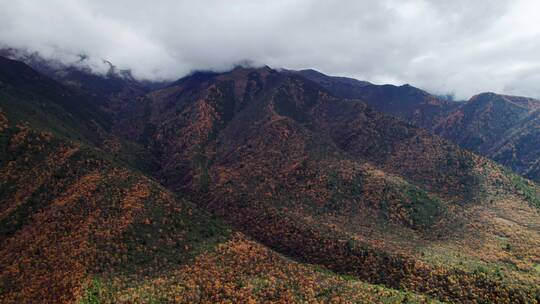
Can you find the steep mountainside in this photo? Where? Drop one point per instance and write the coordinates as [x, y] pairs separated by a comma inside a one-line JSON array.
[[113, 91], [406, 102], [340, 86], [353, 196], [68, 210], [518, 147], [500, 127], [68, 214], [79, 225], [483, 120], [277, 155]]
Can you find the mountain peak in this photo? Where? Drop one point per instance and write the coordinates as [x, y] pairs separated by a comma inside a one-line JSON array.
[[265, 69], [484, 96], [520, 101]]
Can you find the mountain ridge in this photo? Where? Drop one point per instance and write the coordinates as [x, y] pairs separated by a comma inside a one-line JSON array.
[[320, 179], [491, 124]]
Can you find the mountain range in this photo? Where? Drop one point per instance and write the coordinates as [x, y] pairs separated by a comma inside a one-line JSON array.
[[500, 127], [261, 185]]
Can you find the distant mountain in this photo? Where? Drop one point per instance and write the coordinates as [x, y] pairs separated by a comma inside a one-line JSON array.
[[250, 185], [340, 86], [503, 128], [479, 123], [498, 126], [274, 153], [406, 102], [38, 99]]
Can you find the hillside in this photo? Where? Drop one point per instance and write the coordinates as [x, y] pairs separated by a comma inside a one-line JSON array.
[[321, 196], [517, 148], [286, 155], [77, 226], [99, 232], [68, 213], [406, 102], [479, 123], [500, 127]]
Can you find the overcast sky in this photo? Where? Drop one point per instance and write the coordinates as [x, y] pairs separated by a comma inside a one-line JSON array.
[[459, 46]]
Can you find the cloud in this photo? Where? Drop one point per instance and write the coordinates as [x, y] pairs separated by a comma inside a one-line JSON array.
[[458, 46]]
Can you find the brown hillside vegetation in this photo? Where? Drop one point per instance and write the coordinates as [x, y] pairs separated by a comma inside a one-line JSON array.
[[307, 180], [501, 127], [87, 230], [67, 214], [266, 141]]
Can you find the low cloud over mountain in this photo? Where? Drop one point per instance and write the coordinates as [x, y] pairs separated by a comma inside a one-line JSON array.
[[455, 46]]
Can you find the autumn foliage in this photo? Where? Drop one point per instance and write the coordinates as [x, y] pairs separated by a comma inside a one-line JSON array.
[[248, 186]]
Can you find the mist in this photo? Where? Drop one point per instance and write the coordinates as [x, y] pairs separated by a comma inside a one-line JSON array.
[[459, 47]]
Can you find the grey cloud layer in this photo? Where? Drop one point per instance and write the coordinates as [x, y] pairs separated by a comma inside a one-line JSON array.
[[459, 46]]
